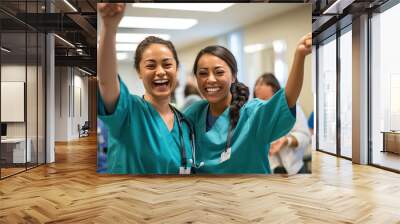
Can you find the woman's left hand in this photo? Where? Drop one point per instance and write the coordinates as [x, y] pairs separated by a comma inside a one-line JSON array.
[[305, 45], [277, 145]]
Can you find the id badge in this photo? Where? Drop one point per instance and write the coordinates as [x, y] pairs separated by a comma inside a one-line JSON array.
[[184, 170], [225, 155]]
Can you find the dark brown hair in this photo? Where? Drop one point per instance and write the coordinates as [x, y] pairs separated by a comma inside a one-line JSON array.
[[190, 89], [268, 79], [149, 41], [240, 92]]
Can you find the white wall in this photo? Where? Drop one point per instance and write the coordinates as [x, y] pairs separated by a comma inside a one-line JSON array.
[[289, 27], [67, 114], [61, 103], [131, 78], [33, 126], [17, 73]]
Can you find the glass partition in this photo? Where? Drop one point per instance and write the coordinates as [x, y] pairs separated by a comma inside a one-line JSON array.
[[346, 93], [327, 96], [385, 89], [22, 88]]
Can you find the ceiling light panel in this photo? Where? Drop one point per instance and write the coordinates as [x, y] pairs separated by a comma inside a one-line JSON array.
[[203, 7], [137, 37], [157, 23]]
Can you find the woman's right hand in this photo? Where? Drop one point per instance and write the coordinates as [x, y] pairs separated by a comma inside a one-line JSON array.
[[111, 14]]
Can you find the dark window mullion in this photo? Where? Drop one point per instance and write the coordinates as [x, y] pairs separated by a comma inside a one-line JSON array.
[[37, 91], [26, 87], [338, 74], [316, 112], [0, 100]]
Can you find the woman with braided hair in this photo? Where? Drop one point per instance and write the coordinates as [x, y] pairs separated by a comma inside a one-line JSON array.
[[229, 130]]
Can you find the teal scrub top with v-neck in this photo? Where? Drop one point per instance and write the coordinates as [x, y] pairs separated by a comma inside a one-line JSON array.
[[139, 139], [260, 123]]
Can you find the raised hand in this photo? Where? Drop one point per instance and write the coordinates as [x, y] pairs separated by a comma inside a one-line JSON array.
[[304, 46], [111, 14], [296, 75]]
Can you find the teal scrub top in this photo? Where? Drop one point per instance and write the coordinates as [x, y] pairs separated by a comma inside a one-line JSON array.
[[139, 141], [260, 123]]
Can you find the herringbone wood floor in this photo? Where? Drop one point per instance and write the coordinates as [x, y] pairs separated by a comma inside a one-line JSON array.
[[70, 191]]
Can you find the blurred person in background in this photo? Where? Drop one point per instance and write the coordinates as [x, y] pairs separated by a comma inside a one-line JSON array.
[[191, 95], [311, 122], [285, 154]]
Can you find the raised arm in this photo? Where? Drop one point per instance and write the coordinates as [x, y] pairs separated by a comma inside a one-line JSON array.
[[296, 75], [111, 14]]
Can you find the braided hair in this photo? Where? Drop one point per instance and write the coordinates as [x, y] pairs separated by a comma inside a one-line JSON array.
[[239, 91]]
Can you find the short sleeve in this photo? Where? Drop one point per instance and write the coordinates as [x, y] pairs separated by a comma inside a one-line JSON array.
[[271, 119], [115, 120]]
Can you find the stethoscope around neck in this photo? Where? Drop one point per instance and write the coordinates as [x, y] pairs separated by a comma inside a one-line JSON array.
[[181, 119], [184, 168]]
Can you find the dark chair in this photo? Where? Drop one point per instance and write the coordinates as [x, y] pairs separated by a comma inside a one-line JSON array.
[[84, 130]]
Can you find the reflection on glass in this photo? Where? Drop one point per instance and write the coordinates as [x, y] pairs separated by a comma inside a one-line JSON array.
[[346, 94], [385, 88], [327, 97], [14, 153], [23, 86]]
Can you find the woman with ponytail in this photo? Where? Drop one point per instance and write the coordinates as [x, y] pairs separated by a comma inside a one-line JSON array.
[[230, 131], [145, 133]]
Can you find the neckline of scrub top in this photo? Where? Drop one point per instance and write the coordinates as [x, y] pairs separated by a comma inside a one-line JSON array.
[[160, 122], [220, 125], [210, 120]]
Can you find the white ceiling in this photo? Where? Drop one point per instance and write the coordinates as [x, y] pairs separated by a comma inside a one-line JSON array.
[[210, 24]]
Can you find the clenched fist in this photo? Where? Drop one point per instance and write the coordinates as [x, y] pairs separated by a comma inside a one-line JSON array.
[[111, 14], [305, 45]]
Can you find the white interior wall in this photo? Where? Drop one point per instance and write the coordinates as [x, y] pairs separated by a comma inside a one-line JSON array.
[[61, 103], [67, 115], [288, 27], [32, 127], [130, 77], [14, 73]]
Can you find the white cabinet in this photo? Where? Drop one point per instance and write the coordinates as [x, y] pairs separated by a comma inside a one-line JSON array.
[[18, 149]]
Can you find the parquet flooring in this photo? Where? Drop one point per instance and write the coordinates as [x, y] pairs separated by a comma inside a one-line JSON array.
[[9, 171], [70, 191]]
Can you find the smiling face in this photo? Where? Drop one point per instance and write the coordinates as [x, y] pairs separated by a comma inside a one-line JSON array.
[[158, 70], [214, 78]]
